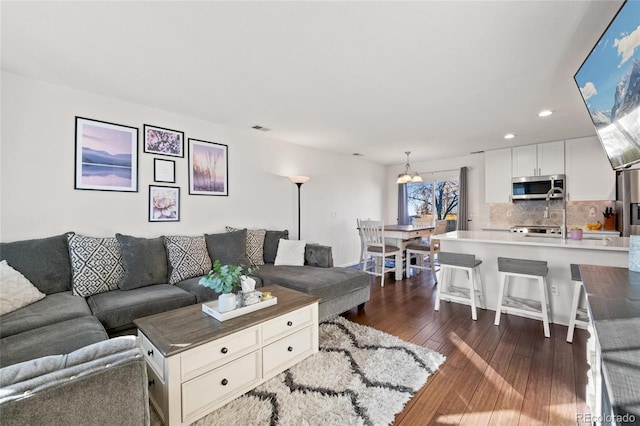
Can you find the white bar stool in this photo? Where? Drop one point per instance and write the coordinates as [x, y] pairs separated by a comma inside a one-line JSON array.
[[578, 316], [447, 291], [531, 269]]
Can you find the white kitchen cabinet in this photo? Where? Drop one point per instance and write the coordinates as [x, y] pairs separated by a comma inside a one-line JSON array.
[[589, 173], [497, 175], [538, 160]]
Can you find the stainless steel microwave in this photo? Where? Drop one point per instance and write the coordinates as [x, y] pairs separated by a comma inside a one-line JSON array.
[[537, 187]]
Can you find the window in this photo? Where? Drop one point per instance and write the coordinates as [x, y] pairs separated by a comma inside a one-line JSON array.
[[434, 200]]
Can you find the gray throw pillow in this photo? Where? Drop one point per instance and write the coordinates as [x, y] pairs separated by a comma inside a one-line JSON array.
[[229, 248], [144, 260], [271, 240], [44, 261]]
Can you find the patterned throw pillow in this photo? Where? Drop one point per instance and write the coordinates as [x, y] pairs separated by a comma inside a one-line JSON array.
[[96, 264], [188, 257], [255, 244], [15, 290]]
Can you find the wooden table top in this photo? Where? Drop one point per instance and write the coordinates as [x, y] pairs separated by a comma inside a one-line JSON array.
[[407, 228], [181, 329]]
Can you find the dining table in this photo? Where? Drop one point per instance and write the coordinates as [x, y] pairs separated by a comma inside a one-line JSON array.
[[403, 235]]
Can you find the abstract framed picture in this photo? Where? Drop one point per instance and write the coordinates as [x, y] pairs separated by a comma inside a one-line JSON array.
[[164, 203], [158, 140], [106, 157], [164, 170], [208, 168]]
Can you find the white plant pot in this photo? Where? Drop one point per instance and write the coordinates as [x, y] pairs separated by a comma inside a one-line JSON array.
[[226, 302]]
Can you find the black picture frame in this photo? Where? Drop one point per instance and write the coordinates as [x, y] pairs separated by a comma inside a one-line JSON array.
[[106, 156], [164, 203], [208, 168], [164, 170], [163, 141]]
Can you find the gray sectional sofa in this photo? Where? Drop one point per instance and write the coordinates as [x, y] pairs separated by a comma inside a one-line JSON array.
[[63, 321]]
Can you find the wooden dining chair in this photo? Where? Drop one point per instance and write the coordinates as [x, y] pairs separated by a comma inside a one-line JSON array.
[[422, 250], [374, 246]]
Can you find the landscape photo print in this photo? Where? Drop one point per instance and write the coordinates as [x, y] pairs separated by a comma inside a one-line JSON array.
[[106, 157]]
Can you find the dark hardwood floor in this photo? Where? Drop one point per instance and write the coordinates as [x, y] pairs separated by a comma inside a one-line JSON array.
[[503, 375]]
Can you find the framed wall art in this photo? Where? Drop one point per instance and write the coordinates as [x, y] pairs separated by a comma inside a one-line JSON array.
[[208, 168], [163, 141], [164, 170], [164, 203], [106, 156]]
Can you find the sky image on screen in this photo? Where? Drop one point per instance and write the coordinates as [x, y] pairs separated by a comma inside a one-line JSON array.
[[609, 81]]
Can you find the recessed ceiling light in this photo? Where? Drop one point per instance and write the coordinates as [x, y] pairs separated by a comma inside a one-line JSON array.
[[509, 136], [545, 113]]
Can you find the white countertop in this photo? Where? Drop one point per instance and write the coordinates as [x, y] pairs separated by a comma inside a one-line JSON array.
[[607, 243]]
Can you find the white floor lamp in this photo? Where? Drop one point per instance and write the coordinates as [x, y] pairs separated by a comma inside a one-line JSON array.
[[298, 180]]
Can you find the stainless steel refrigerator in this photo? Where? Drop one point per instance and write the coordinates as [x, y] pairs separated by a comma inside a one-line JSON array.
[[628, 203]]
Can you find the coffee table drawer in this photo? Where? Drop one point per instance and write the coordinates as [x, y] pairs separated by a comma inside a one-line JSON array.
[[152, 355], [287, 323], [280, 355], [214, 388], [219, 352]]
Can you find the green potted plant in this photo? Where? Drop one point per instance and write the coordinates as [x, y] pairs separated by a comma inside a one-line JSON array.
[[224, 279]]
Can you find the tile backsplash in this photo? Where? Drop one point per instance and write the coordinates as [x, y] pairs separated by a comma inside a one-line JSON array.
[[506, 215]]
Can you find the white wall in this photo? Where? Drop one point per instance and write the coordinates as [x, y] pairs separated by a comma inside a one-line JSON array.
[[477, 209], [37, 176]]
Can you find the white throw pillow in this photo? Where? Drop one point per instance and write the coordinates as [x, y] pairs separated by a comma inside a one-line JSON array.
[[290, 252], [15, 290]]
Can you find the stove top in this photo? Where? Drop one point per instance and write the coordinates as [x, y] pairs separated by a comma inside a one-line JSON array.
[[536, 229]]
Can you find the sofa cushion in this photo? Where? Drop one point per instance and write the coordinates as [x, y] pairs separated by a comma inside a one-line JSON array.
[[96, 264], [271, 240], [53, 339], [290, 252], [202, 293], [255, 244], [15, 290], [117, 309], [228, 247], [144, 261], [188, 257], [325, 283], [318, 255], [54, 308], [44, 262]]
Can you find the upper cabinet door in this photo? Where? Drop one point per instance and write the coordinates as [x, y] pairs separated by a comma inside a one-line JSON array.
[[551, 158], [497, 176], [589, 173], [525, 161], [538, 160]]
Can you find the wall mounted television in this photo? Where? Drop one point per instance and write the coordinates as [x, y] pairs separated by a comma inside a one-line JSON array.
[[609, 81]]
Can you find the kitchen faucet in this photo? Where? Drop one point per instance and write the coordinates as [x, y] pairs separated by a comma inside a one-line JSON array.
[[553, 190]]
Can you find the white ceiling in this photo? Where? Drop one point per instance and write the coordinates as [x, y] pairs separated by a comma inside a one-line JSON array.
[[440, 79]]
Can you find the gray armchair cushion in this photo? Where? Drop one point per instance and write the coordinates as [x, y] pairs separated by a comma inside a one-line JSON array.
[[144, 260], [318, 255], [44, 261], [116, 309], [228, 247], [104, 383], [271, 240], [53, 339], [54, 308]]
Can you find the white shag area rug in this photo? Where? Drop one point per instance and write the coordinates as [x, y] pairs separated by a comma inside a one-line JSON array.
[[360, 376]]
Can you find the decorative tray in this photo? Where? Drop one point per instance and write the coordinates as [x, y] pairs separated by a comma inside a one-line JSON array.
[[211, 308]]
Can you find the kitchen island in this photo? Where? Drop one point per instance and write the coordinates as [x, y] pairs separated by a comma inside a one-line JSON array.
[[559, 254], [613, 350]]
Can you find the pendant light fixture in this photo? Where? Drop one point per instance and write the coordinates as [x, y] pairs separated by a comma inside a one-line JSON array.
[[407, 176]]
